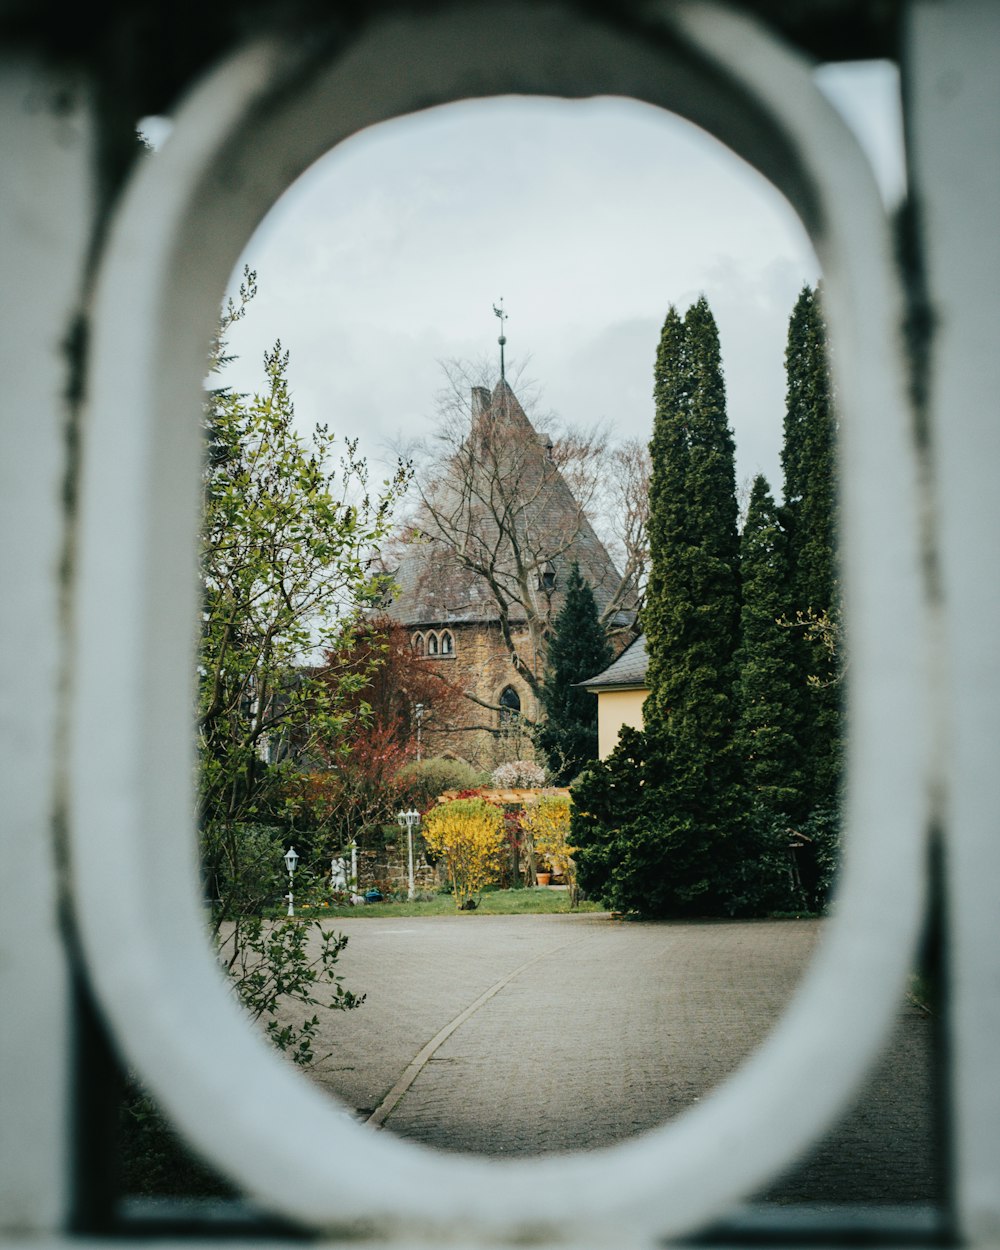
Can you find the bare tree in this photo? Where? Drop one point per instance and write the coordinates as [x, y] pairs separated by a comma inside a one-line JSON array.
[[621, 516], [504, 508]]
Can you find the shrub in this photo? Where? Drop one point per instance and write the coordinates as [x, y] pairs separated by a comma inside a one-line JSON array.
[[468, 835], [518, 775], [154, 1161], [244, 867], [787, 869], [547, 824], [763, 882], [421, 783], [636, 851], [819, 871]]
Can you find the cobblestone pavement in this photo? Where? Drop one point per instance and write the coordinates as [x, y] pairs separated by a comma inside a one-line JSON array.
[[594, 1031]]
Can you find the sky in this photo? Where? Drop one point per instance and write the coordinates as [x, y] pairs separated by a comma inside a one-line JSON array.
[[587, 218]]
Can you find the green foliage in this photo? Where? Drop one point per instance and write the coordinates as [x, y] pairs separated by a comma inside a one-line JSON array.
[[286, 558], [245, 869], [634, 851], [771, 701], [154, 1161], [808, 456], [809, 518], [272, 963], [821, 860], [691, 618], [287, 542], [668, 804], [578, 649], [493, 901], [350, 795], [743, 723], [765, 879], [422, 782]]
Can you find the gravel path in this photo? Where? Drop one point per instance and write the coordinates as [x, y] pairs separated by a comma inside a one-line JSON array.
[[528, 1034]]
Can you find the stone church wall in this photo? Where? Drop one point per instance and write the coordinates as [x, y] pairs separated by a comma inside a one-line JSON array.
[[480, 665]]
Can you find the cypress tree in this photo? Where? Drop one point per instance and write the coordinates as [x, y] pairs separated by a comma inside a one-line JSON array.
[[578, 649], [692, 609], [769, 699], [659, 819], [668, 521], [809, 517]]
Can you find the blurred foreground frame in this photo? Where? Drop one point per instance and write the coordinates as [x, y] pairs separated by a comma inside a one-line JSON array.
[[78, 849]]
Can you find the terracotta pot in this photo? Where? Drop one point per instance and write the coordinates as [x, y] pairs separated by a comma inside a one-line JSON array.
[[543, 878]]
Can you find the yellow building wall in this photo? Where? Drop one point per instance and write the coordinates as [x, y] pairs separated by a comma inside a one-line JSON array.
[[614, 709]]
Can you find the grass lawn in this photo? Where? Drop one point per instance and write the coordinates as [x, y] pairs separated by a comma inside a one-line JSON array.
[[542, 899]]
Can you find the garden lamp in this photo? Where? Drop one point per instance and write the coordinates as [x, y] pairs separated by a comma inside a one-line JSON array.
[[291, 859], [408, 821]]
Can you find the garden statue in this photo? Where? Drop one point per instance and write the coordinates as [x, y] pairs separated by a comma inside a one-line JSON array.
[[338, 874]]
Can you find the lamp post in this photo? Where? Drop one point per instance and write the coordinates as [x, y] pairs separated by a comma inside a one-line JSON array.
[[418, 712], [291, 859], [408, 821]]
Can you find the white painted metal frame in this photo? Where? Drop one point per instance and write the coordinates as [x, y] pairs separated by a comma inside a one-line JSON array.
[[46, 159], [240, 140], [953, 116]]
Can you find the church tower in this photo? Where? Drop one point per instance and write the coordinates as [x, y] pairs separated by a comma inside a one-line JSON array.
[[483, 576]]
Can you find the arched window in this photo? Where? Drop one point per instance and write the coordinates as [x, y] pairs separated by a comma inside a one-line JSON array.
[[432, 644], [447, 643], [510, 706], [417, 643]]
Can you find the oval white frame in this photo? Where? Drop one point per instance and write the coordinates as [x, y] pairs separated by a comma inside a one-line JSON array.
[[253, 126]]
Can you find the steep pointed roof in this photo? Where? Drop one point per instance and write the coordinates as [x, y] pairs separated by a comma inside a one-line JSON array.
[[506, 406], [505, 467]]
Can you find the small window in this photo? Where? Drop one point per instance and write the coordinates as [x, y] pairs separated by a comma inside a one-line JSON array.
[[447, 643], [432, 644], [417, 642], [510, 706]]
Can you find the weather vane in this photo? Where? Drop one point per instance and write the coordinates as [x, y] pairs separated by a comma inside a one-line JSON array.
[[499, 312]]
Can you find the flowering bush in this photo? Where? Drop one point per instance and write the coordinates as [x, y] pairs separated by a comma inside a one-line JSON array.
[[468, 835], [546, 824], [518, 775]]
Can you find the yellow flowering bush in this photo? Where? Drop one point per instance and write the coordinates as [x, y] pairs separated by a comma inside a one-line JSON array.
[[467, 834], [545, 825]]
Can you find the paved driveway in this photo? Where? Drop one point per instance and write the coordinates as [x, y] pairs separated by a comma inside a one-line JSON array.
[[526, 1034]]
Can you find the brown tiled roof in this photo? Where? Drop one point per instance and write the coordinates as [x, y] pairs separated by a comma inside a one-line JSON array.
[[628, 670], [435, 588]]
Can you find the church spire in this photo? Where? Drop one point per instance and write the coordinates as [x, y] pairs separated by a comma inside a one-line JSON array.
[[499, 312]]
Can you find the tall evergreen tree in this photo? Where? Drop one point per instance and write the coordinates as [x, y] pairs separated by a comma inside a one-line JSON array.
[[668, 525], [578, 649], [676, 854], [809, 517], [692, 609], [769, 697]]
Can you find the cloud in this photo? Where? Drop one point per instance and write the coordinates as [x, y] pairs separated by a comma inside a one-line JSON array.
[[589, 217]]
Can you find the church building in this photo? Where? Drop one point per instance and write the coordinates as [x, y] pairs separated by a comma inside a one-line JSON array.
[[483, 576]]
